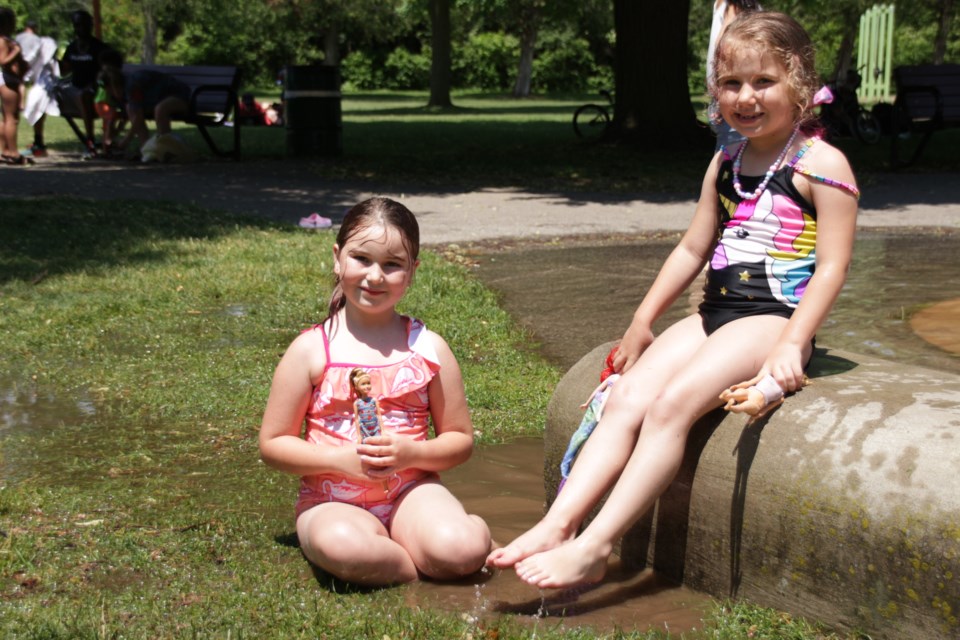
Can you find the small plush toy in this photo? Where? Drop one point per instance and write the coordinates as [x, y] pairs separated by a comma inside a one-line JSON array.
[[366, 410]]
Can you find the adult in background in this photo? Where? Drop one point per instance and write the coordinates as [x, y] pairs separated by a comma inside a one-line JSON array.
[[142, 94], [12, 69], [29, 43], [40, 55], [724, 11], [81, 62]]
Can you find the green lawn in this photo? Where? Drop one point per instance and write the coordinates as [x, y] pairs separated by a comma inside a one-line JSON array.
[[139, 340], [494, 141]]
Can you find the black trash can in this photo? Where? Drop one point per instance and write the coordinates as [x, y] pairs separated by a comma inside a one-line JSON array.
[[311, 110]]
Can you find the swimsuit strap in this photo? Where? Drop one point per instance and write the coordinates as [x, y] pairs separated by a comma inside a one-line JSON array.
[[326, 343], [804, 171], [726, 153]]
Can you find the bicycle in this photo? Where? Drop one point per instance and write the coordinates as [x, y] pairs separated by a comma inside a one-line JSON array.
[[590, 121], [845, 115]]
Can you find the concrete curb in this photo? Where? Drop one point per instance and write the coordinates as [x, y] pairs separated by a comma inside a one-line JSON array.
[[842, 506]]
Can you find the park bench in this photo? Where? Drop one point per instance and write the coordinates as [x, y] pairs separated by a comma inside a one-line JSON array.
[[928, 99], [213, 99]]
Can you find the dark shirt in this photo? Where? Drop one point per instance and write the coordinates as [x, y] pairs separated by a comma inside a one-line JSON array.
[[84, 62]]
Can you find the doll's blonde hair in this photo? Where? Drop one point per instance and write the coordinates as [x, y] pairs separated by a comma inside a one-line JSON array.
[[356, 375]]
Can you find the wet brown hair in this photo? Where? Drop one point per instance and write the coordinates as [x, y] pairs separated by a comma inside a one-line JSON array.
[[781, 36], [379, 211]]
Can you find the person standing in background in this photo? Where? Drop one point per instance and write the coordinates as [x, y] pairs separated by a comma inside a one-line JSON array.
[[81, 61], [40, 55], [724, 11]]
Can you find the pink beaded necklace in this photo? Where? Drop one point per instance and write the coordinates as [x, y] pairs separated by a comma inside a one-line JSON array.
[[766, 179]]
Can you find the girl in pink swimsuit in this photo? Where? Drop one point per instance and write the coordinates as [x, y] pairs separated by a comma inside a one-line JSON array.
[[371, 508]]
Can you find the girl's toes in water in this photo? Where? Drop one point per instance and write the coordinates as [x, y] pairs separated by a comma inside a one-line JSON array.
[[542, 537], [566, 566]]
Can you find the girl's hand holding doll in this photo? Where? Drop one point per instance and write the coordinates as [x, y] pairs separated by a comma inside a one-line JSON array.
[[384, 455], [635, 341], [785, 365]]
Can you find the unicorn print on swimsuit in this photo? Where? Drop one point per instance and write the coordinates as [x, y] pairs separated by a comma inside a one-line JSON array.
[[788, 266]]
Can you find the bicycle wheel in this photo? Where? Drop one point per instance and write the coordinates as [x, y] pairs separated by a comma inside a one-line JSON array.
[[590, 121], [866, 127]]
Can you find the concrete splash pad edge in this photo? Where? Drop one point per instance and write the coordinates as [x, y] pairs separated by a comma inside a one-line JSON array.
[[841, 506]]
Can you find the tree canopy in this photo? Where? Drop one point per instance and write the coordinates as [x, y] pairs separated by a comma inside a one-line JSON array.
[[519, 46]]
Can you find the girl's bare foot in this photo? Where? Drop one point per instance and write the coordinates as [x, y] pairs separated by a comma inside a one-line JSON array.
[[568, 565], [542, 537]]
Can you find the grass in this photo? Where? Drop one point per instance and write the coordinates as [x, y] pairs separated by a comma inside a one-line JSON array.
[[490, 140], [138, 341]]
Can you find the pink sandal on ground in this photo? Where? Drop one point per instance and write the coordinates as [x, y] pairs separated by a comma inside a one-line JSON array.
[[315, 221]]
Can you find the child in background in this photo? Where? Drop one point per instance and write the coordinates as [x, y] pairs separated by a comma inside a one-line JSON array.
[[12, 69], [776, 221], [724, 12], [375, 513]]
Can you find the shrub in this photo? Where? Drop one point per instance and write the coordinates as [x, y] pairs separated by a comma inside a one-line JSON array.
[[358, 71], [564, 64], [487, 61], [406, 70]]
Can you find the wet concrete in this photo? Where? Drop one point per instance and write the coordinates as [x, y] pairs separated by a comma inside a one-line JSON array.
[[826, 527], [572, 298]]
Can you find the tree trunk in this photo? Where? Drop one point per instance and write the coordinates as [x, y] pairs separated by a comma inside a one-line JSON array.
[[652, 97], [149, 45], [440, 59], [331, 45], [940, 44], [528, 45], [845, 52]]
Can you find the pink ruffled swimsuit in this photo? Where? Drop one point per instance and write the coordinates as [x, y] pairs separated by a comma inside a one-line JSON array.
[[401, 391]]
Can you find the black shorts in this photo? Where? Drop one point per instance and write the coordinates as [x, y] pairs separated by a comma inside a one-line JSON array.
[[715, 316]]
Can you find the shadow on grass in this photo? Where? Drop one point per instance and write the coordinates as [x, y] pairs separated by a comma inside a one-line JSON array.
[[324, 580], [42, 237]]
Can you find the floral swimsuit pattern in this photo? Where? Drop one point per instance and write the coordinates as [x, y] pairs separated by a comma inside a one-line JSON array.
[[401, 390]]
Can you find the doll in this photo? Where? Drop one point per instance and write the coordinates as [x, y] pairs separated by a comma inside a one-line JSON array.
[[757, 399], [594, 409], [366, 410]]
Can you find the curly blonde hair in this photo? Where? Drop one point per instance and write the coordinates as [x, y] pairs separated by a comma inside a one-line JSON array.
[[781, 36]]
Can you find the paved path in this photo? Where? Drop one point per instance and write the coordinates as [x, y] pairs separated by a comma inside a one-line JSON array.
[[286, 191]]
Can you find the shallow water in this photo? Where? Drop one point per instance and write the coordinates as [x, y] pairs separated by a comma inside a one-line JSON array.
[[575, 298], [504, 484], [571, 299]]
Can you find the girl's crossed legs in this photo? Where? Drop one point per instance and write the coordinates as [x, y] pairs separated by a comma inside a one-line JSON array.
[[429, 532], [676, 381]]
